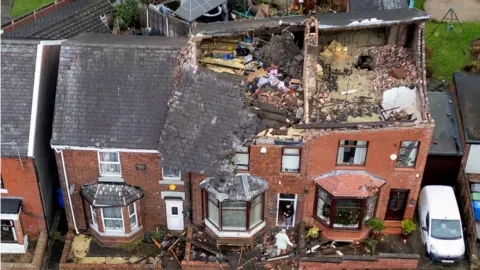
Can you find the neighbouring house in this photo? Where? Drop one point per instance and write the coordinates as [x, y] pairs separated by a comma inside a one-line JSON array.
[[154, 131], [446, 149], [466, 91], [28, 174], [110, 109], [61, 20], [5, 11]]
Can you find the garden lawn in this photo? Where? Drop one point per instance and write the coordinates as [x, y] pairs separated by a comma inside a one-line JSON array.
[[447, 55], [22, 7]]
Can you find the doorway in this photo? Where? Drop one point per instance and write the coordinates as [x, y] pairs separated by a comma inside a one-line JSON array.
[[283, 200], [174, 215], [397, 202]]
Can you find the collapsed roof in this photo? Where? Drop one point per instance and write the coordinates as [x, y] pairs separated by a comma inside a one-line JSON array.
[[242, 187]]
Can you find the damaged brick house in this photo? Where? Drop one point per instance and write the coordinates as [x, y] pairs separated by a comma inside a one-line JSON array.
[[28, 173], [326, 114]]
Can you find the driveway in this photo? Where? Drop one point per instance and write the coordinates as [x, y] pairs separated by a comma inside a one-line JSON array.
[[466, 10]]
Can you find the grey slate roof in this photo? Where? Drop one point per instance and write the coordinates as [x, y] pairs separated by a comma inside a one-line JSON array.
[[468, 93], [207, 119], [66, 21], [10, 205], [446, 136], [113, 90], [242, 187], [377, 4], [329, 21], [5, 11], [109, 194], [18, 72]]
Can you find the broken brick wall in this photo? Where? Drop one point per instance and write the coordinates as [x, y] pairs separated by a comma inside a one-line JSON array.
[[19, 180], [382, 143], [82, 168]]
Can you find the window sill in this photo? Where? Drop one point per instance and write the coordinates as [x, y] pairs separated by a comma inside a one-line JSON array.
[[225, 234], [350, 167], [290, 173], [116, 234], [111, 178], [167, 181], [3, 191], [15, 248], [402, 169]]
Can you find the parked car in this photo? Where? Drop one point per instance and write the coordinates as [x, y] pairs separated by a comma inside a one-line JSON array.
[[441, 225]]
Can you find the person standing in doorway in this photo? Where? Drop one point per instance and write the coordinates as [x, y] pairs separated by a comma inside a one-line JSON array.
[[288, 215]]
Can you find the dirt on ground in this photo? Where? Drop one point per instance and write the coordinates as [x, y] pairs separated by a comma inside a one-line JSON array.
[[466, 10]]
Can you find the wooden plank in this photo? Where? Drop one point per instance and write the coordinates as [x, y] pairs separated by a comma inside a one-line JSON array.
[[235, 63], [188, 245]]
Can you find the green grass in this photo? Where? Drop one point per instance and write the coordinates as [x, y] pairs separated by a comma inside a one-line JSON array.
[[131, 245], [22, 7], [419, 4], [447, 55]]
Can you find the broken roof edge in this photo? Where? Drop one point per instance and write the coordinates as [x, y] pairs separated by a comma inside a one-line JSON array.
[[126, 41]]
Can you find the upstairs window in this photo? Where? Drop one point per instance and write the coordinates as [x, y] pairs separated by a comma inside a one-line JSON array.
[[407, 155], [109, 163], [352, 152], [242, 158], [171, 173], [291, 159]]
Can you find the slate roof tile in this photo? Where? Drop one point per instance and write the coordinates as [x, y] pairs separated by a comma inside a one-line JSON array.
[[18, 72]]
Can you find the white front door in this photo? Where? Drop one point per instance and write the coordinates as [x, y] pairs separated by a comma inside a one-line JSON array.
[[174, 215]]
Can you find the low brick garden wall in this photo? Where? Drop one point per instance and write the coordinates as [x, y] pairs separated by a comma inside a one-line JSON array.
[[37, 255], [381, 261]]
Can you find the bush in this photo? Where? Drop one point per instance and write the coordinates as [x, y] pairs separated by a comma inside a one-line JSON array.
[[127, 11], [408, 226], [313, 232], [376, 224]]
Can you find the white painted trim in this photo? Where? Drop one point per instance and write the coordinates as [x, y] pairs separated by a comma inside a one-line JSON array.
[[114, 231], [13, 248], [5, 191], [294, 208], [118, 179], [119, 162], [234, 234], [52, 42], [10, 216], [117, 234], [130, 215], [36, 90], [164, 194], [91, 148], [168, 182], [172, 178], [68, 192], [94, 219]]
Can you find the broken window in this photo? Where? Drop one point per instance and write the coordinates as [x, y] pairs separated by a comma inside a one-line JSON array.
[[242, 158], [132, 211], [291, 160], [8, 231], [109, 163], [113, 219], [352, 152], [407, 155], [171, 173], [345, 213]]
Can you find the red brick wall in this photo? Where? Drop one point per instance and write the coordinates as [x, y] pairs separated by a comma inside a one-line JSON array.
[[382, 263], [381, 144], [22, 182], [82, 168]]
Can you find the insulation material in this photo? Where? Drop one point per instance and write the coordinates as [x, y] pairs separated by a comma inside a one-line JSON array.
[[398, 99]]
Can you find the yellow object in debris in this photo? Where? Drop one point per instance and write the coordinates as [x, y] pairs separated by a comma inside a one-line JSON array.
[[234, 63]]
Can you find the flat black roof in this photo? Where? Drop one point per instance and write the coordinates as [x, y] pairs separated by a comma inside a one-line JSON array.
[[446, 136], [468, 94], [11, 205], [330, 21]]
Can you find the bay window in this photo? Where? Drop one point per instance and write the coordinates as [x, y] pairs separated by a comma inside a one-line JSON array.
[[235, 215], [344, 212], [113, 219]]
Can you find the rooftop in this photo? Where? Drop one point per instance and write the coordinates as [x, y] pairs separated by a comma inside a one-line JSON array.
[[356, 5], [113, 92], [350, 183], [18, 72], [446, 136], [467, 86]]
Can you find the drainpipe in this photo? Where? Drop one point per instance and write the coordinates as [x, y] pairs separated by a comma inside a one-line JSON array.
[[68, 190]]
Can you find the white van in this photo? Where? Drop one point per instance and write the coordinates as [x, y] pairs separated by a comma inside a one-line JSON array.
[[441, 225]]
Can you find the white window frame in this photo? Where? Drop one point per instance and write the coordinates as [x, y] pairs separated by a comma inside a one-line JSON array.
[[109, 162], [94, 216], [179, 178], [284, 170], [3, 190], [240, 151], [130, 215], [288, 200], [110, 230]]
